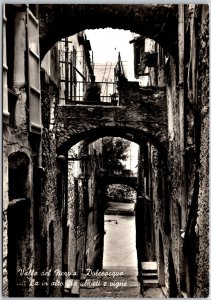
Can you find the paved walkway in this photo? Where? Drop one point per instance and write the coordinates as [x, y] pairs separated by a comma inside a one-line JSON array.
[[119, 241], [154, 293], [119, 256], [123, 285]]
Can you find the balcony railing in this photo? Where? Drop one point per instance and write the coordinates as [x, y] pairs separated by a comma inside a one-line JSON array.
[[80, 92], [120, 173]]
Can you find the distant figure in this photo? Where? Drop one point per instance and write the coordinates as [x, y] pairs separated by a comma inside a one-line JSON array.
[[92, 93]]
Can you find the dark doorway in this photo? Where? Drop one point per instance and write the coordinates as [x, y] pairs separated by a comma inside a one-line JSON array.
[[161, 261], [18, 175], [18, 215], [173, 291], [16, 232], [51, 256]]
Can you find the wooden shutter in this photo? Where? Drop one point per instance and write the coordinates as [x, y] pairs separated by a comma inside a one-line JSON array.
[[35, 123], [5, 68]]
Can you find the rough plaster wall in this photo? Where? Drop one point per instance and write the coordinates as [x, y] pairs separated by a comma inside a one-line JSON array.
[[92, 229], [98, 236], [84, 228], [174, 170], [165, 204], [50, 209], [81, 225], [95, 234], [71, 218], [76, 216], [16, 139], [159, 213], [202, 227]]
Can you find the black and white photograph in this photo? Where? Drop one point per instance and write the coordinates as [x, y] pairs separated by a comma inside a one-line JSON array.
[[105, 150]]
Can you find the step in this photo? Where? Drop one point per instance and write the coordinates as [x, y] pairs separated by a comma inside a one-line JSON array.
[[83, 277], [150, 283], [68, 283], [149, 271], [152, 275], [149, 266], [75, 291], [184, 294]]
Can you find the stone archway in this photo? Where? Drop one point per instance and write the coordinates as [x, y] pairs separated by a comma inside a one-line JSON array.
[[143, 208], [129, 181], [59, 21], [70, 131], [129, 194]]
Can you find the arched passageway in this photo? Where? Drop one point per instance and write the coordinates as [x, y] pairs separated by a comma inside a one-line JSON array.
[[169, 25], [87, 183], [69, 136], [57, 22], [134, 121]]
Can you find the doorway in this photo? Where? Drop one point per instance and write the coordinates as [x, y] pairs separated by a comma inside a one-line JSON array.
[[173, 291]]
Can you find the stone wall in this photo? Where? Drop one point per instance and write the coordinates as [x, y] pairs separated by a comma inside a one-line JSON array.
[[191, 270], [202, 221], [50, 208], [85, 216], [75, 122], [144, 118], [17, 142]]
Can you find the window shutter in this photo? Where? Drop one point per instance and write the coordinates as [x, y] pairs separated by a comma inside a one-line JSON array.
[[35, 123], [5, 68]]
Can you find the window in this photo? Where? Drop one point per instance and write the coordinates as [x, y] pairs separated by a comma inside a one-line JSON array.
[[18, 176], [33, 73], [12, 100], [10, 96], [5, 68], [68, 79]]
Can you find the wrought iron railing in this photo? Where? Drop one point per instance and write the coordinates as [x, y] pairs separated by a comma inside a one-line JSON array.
[[82, 91], [115, 173]]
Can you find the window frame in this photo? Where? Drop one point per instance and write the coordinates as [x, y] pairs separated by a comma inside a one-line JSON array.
[[34, 89], [5, 104]]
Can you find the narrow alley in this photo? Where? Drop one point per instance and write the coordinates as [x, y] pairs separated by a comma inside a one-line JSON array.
[[119, 258], [105, 134]]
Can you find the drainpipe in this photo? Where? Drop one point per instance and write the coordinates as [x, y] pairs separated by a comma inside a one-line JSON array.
[[181, 112]]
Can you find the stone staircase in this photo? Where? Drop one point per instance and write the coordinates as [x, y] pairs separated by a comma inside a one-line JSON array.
[[72, 287], [149, 274]]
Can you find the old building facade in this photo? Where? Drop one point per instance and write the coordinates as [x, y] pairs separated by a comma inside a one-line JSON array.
[[53, 190]]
